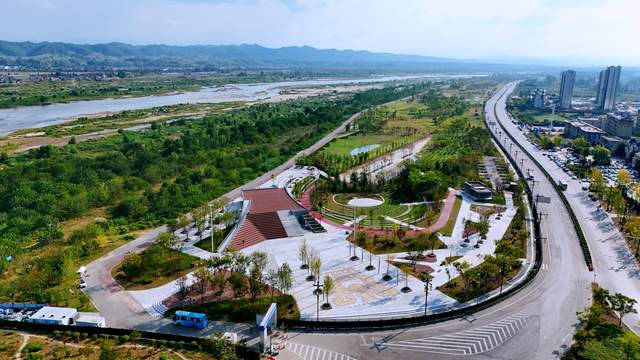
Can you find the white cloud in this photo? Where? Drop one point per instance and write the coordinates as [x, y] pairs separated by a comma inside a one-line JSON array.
[[602, 30]]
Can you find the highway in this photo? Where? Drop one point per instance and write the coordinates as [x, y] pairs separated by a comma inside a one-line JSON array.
[[536, 323], [615, 267]]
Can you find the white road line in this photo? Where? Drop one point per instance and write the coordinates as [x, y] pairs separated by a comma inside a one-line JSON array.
[[473, 341]]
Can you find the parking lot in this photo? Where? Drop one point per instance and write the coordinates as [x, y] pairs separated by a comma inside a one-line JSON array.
[[565, 157]]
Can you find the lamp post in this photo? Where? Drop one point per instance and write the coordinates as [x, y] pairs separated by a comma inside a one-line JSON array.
[[318, 292], [211, 225], [427, 287]]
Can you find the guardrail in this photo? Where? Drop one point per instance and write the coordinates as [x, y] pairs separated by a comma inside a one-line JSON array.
[[584, 246], [456, 313], [183, 341]]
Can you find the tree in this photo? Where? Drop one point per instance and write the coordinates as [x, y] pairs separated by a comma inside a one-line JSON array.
[[328, 286], [108, 350], [581, 147], [616, 199], [203, 277], [182, 287], [624, 178], [239, 262], [199, 216], [597, 181], [218, 282], [303, 254], [315, 265], [463, 270], [72, 140], [238, 284], [256, 277], [168, 241], [285, 278], [622, 305], [601, 155], [483, 226], [272, 280]]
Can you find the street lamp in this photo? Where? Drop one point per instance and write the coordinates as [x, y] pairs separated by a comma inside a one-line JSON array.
[[318, 291], [211, 225], [427, 287]]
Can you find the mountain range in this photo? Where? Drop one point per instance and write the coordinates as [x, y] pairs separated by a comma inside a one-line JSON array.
[[68, 56]]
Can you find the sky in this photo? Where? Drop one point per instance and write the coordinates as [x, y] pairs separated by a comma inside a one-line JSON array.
[[584, 32]]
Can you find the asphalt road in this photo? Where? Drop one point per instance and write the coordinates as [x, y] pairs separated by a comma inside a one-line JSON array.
[[615, 266], [536, 323]]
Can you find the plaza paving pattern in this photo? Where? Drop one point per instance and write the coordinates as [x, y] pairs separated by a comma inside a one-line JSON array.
[[363, 294]]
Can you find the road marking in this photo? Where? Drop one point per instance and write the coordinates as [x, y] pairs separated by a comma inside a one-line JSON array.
[[468, 342], [308, 352]]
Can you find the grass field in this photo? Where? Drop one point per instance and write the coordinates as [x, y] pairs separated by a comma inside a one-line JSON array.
[[549, 117], [391, 126], [343, 146]]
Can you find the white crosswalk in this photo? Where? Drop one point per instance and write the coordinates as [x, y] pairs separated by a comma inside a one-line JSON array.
[[474, 341], [308, 352]]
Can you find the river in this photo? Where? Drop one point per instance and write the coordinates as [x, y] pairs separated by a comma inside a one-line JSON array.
[[31, 117]]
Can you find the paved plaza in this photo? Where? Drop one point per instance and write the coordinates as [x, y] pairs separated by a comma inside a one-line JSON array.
[[363, 294]]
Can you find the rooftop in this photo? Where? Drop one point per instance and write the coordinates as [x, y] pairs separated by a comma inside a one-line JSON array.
[[54, 313], [270, 200], [586, 127]]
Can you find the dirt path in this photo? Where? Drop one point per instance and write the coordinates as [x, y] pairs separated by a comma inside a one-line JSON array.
[[25, 339]]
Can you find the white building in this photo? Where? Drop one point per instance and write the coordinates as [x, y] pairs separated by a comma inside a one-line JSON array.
[[90, 319], [54, 315]]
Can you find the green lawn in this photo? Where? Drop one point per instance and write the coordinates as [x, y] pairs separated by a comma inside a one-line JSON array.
[[448, 228], [243, 310], [548, 117], [373, 215], [343, 146]]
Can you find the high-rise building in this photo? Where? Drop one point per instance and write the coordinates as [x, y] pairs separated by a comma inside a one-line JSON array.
[[566, 88], [538, 98], [608, 88]]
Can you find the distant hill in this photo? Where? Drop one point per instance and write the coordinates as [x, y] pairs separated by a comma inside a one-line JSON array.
[[66, 56]]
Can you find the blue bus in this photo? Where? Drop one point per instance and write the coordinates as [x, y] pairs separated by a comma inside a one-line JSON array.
[[190, 319]]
